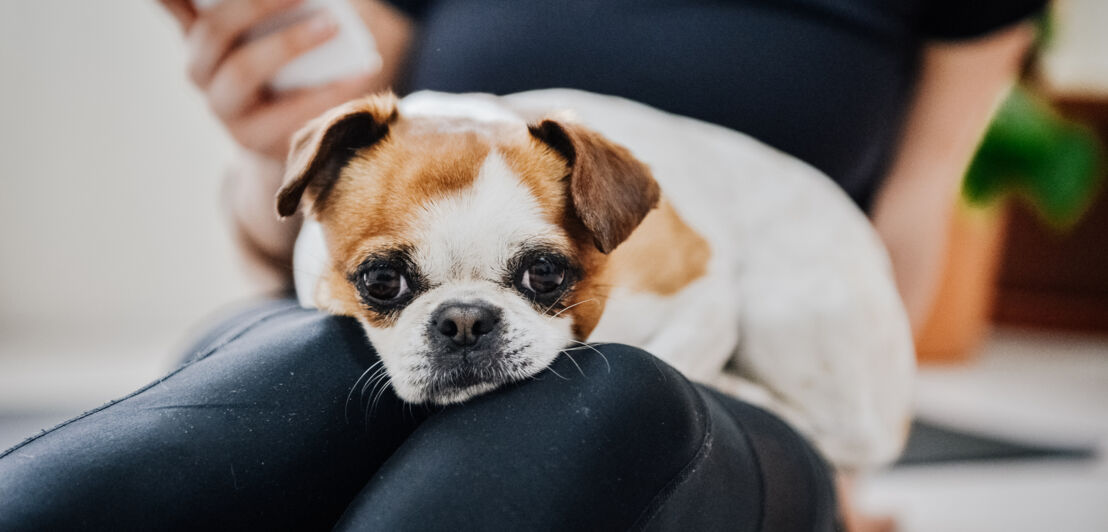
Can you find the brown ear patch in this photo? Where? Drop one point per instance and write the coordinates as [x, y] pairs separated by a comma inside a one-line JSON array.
[[610, 190], [324, 145]]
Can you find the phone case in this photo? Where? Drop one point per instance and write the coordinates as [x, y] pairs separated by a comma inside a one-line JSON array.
[[351, 52]]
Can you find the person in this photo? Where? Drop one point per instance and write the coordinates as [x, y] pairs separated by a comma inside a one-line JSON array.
[[887, 98]]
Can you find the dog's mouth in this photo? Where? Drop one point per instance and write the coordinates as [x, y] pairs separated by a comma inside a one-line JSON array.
[[458, 380]]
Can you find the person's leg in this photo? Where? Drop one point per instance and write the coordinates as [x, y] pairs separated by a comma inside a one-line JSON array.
[[252, 434], [798, 485], [613, 440]]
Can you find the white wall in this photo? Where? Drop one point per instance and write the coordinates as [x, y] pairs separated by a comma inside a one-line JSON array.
[[1076, 61], [110, 165]]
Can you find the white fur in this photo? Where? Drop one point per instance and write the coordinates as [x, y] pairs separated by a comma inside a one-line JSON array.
[[453, 242], [798, 311], [480, 107], [310, 259]]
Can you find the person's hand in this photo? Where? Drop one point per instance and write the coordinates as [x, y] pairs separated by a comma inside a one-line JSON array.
[[233, 74]]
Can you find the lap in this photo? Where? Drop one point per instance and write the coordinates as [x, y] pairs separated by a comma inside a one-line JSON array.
[[611, 439], [263, 428], [586, 445]]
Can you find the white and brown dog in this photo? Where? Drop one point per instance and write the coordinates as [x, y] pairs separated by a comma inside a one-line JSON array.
[[476, 237]]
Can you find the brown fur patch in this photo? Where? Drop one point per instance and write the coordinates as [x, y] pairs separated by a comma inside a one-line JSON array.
[[611, 190], [662, 256], [590, 295], [542, 170], [322, 147]]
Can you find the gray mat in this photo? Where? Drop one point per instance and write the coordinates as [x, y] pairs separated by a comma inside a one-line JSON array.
[[929, 443]]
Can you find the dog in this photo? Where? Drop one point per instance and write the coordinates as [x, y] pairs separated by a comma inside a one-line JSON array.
[[476, 237]]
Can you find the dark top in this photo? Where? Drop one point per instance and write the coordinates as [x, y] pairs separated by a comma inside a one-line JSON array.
[[828, 81]]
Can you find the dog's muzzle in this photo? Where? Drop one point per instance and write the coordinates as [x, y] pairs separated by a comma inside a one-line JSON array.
[[465, 334]]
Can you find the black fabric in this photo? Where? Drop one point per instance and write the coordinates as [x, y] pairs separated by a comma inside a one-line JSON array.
[[828, 81], [961, 19], [270, 427], [252, 434]]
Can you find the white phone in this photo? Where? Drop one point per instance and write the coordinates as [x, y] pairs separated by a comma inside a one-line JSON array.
[[351, 52]]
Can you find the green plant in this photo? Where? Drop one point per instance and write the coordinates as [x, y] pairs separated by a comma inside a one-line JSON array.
[[1034, 153]]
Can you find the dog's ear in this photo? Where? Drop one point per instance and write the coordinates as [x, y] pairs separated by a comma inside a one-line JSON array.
[[611, 191], [321, 148]]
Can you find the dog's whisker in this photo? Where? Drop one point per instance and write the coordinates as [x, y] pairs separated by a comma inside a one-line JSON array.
[[349, 396], [556, 314], [372, 392], [376, 376], [570, 357], [556, 301], [556, 373], [372, 385], [358, 382], [584, 345], [371, 407], [575, 349], [380, 394]]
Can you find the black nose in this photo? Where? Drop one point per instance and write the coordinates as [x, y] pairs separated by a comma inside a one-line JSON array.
[[465, 323]]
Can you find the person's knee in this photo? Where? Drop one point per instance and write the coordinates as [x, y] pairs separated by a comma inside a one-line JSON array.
[[640, 400], [596, 438]]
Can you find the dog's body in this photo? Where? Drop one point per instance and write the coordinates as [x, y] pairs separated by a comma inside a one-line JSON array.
[[752, 272]]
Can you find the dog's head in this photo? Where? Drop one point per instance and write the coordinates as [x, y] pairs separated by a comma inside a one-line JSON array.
[[471, 250]]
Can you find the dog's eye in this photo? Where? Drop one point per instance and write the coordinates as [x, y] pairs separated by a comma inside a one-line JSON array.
[[385, 284], [543, 276]]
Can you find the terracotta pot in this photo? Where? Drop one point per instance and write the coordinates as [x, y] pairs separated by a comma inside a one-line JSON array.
[[960, 315]]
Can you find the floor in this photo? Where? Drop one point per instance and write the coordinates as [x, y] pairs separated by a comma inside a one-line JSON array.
[[1030, 388]]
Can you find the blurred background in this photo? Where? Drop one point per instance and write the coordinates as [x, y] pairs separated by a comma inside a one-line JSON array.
[[113, 237], [115, 249]]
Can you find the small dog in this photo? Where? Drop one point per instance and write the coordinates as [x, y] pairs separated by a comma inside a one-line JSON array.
[[476, 237]]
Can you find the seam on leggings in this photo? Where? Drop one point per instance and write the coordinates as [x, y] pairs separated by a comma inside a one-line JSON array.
[[206, 349], [658, 502], [811, 457], [757, 459], [229, 338]]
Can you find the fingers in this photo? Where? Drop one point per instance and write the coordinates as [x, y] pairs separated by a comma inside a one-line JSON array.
[[233, 66], [239, 81], [212, 35], [182, 12], [279, 120]]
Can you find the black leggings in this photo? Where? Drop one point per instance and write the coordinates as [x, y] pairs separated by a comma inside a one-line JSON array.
[[261, 429]]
